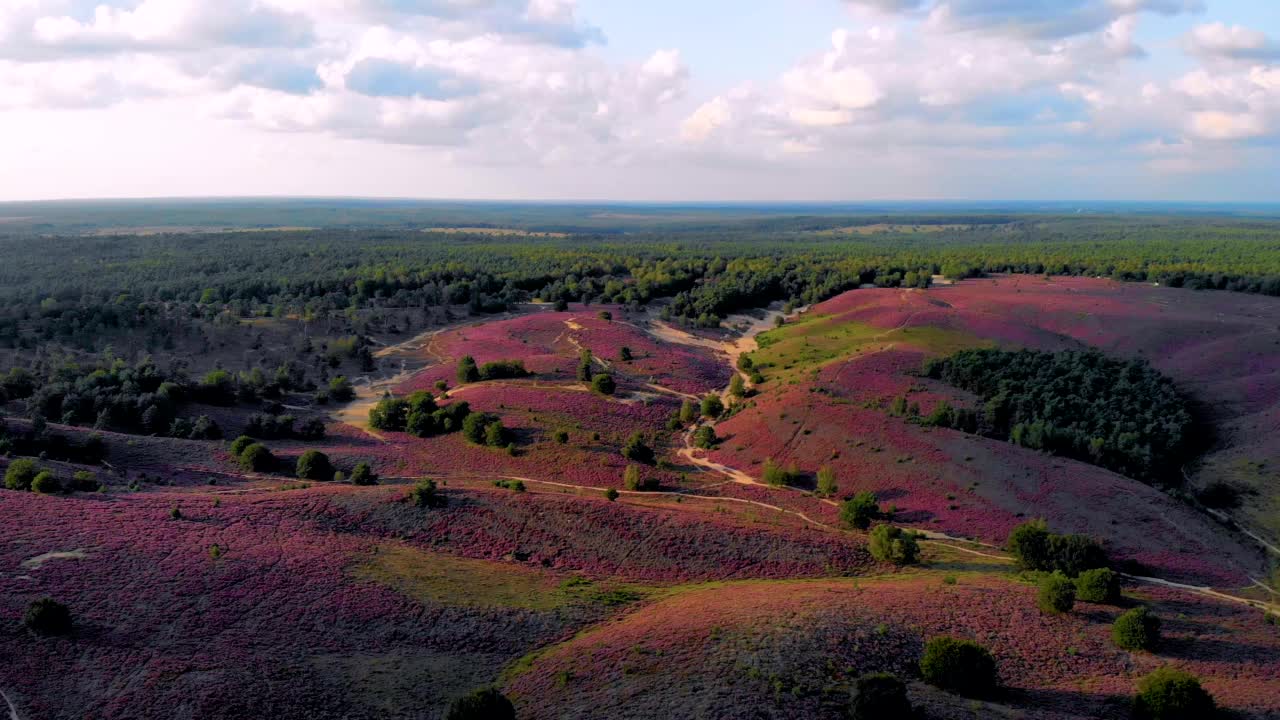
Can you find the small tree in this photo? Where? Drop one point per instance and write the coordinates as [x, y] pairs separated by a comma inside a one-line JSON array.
[[1100, 585], [737, 387], [880, 696], [1029, 543], [624, 354], [46, 483], [1171, 694], [496, 434], [826, 482], [631, 478], [468, 372], [611, 494], [314, 465], [19, 474], [603, 384], [561, 436], [772, 474], [894, 545], [1136, 629], [705, 437], [859, 510], [390, 414], [605, 315], [961, 666], [712, 406], [426, 495], [637, 450], [363, 475], [688, 412], [47, 616], [239, 444], [257, 458], [561, 305], [585, 371], [488, 704], [340, 389], [1057, 594]]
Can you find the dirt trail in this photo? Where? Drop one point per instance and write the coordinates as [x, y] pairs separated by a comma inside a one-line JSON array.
[[13, 711]]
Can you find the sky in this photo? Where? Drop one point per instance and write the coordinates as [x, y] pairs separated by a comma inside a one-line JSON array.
[[661, 100]]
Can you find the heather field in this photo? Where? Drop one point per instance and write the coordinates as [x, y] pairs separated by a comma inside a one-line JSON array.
[[665, 547]]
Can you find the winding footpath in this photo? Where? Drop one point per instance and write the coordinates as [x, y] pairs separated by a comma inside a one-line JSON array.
[[732, 350]]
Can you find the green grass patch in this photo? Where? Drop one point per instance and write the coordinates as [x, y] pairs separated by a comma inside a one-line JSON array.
[[465, 582]]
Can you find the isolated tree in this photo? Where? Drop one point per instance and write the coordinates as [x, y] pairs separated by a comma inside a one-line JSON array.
[[257, 458], [624, 354], [688, 411], [961, 666], [638, 450], [705, 437], [496, 434], [826, 482], [314, 465], [1029, 543], [773, 474], [858, 511], [239, 444], [341, 390], [603, 384], [737, 387], [894, 545], [1100, 585], [1136, 629], [880, 696], [467, 370], [48, 617], [631, 478], [1171, 694], [19, 474], [1056, 594], [45, 483], [585, 371], [712, 406], [487, 704], [363, 475], [426, 494]]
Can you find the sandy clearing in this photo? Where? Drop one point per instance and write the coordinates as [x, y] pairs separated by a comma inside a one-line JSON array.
[[36, 562]]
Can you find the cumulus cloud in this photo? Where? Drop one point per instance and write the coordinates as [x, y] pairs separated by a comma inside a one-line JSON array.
[[1234, 42], [1032, 18]]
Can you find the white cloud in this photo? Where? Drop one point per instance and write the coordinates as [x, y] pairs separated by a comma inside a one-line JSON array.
[[1221, 41]]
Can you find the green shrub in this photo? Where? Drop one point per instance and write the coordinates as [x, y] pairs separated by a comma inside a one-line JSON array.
[[314, 465], [19, 474], [257, 458], [84, 481], [1057, 594], [775, 476], [880, 696], [1099, 585], [604, 384], [859, 510], [47, 616], [1136, 629], [826, 482], [1035, 548], [239, 444], [892, 544], [488, 704], [632, 480], [363, 475], [705, 437], [561, 436], [625, 354], [961, 666], [712, 406], [1172, 694], [636, 450], [46, 484], [737, 387], [688, 412], [390, 414], [467, 371], [611, 494], [427, 495]]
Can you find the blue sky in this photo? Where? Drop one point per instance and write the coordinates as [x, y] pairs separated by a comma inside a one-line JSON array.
[[755, 100]]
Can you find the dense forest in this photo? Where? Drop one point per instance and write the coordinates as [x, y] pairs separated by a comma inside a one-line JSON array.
[[1122, 415], [273, 313]]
